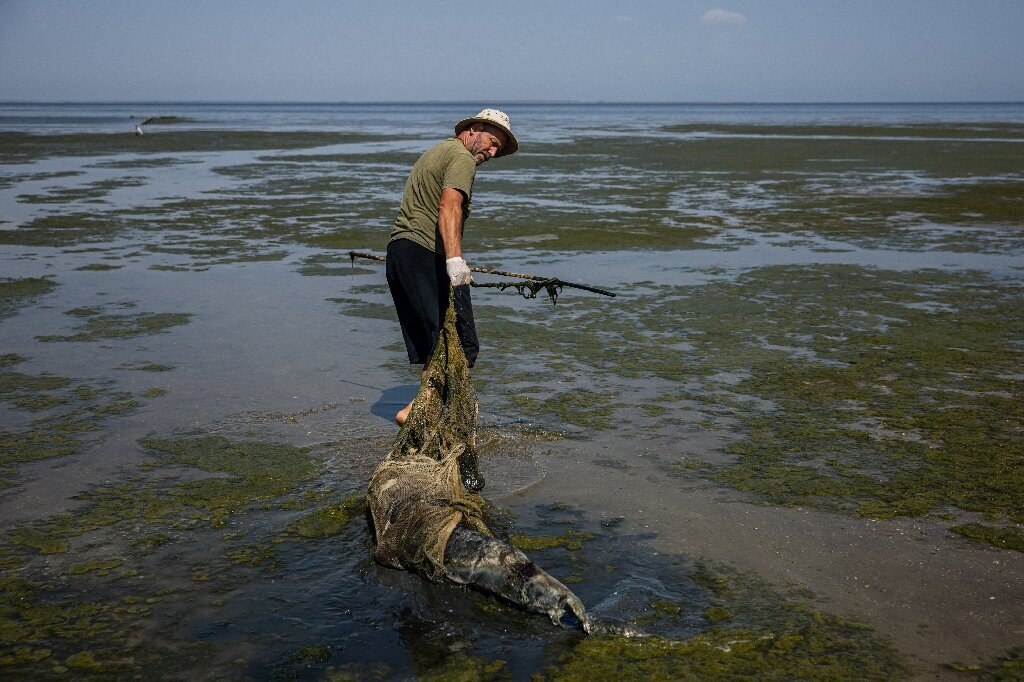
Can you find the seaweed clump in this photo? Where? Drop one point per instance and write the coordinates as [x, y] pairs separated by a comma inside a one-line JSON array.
[[96, 325], [72, 414], [15, 293]]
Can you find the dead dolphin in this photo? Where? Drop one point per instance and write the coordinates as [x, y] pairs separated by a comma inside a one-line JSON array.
[[488, 563], [427, 515], [425, 521]]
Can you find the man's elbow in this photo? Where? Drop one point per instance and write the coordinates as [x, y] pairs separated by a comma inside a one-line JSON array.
[[452, 199]]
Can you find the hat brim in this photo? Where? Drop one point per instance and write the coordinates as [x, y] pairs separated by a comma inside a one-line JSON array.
[[513, 144]]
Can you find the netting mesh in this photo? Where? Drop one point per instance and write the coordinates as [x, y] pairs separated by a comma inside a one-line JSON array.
[[416, 495]]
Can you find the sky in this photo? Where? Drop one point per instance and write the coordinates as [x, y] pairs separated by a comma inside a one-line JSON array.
[[516, 50]]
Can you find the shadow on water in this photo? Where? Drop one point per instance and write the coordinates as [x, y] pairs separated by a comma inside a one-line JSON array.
[[392, 400]]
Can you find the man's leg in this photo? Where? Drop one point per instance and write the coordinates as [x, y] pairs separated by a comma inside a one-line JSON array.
[[403, 414], [419, 286], [412, 279]]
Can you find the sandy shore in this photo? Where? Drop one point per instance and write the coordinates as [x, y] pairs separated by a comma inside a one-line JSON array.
[[938, 598]]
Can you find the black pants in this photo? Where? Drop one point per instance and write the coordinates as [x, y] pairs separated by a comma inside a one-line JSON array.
[[419, 287]]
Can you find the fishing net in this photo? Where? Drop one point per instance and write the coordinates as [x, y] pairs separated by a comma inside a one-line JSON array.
[[418, 494]]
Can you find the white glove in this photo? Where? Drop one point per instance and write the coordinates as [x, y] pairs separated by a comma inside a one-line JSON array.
[[458, 271]]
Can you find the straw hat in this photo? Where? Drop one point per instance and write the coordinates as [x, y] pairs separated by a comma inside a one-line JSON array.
[[496, 118]]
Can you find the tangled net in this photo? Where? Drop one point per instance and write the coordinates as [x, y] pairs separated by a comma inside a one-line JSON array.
[[418, 494], [423, 493]]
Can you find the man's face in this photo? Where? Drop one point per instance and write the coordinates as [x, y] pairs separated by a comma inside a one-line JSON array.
[[484, 142]]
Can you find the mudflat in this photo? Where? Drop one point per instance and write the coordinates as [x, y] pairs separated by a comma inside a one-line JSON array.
[[789, 447]]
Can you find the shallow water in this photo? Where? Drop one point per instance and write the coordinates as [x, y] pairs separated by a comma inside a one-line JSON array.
[[826, 323]]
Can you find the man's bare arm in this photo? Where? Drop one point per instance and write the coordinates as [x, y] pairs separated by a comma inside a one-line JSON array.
[[449, 221]]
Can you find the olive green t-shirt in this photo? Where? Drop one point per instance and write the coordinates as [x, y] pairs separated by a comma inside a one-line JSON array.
[[448, 164]]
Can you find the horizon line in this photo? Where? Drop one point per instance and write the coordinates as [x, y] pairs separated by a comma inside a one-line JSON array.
[[538, 102]]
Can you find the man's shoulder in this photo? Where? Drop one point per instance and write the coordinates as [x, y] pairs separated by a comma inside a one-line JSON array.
[[452, 148]]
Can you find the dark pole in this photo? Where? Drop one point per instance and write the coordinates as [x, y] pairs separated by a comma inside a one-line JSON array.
[[487, 271]]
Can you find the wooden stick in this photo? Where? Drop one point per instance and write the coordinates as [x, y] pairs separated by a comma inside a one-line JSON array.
[[487, 271]]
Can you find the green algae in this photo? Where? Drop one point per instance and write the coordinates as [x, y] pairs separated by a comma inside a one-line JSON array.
[[145, 513], [302, 662], [98, 326], [152, 541], [1005, 668], [853, 182], [28, 620], [129, 507], [330, 520], [858, 188], [571, 540], [72, 416], [66, 229], [91, 192], [17, 293], [145, 162], [583, 408], [355, 307], [84, 661], [256, 556], [692, 466], [735, 654], [460, 667], [900, 422], [23, 655], [146, 367], [42, 542], [207, 252], [98, 267], [717, 614], [100, 566], [14, 386], [255, 472], [1004, 538], [10, 360], [250, 461], [358, 672], [595, 337]]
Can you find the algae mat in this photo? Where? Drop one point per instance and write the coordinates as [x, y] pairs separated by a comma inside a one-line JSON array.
[[159, 571]]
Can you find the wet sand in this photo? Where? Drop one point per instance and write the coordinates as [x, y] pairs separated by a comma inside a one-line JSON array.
[[939, 598]]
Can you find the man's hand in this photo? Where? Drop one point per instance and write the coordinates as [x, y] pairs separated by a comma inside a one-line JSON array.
[[458, 271]]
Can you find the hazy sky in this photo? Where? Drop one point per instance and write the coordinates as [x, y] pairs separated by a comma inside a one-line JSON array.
[[384, 50]]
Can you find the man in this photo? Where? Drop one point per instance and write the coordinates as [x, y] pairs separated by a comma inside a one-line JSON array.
[[425, 250]]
